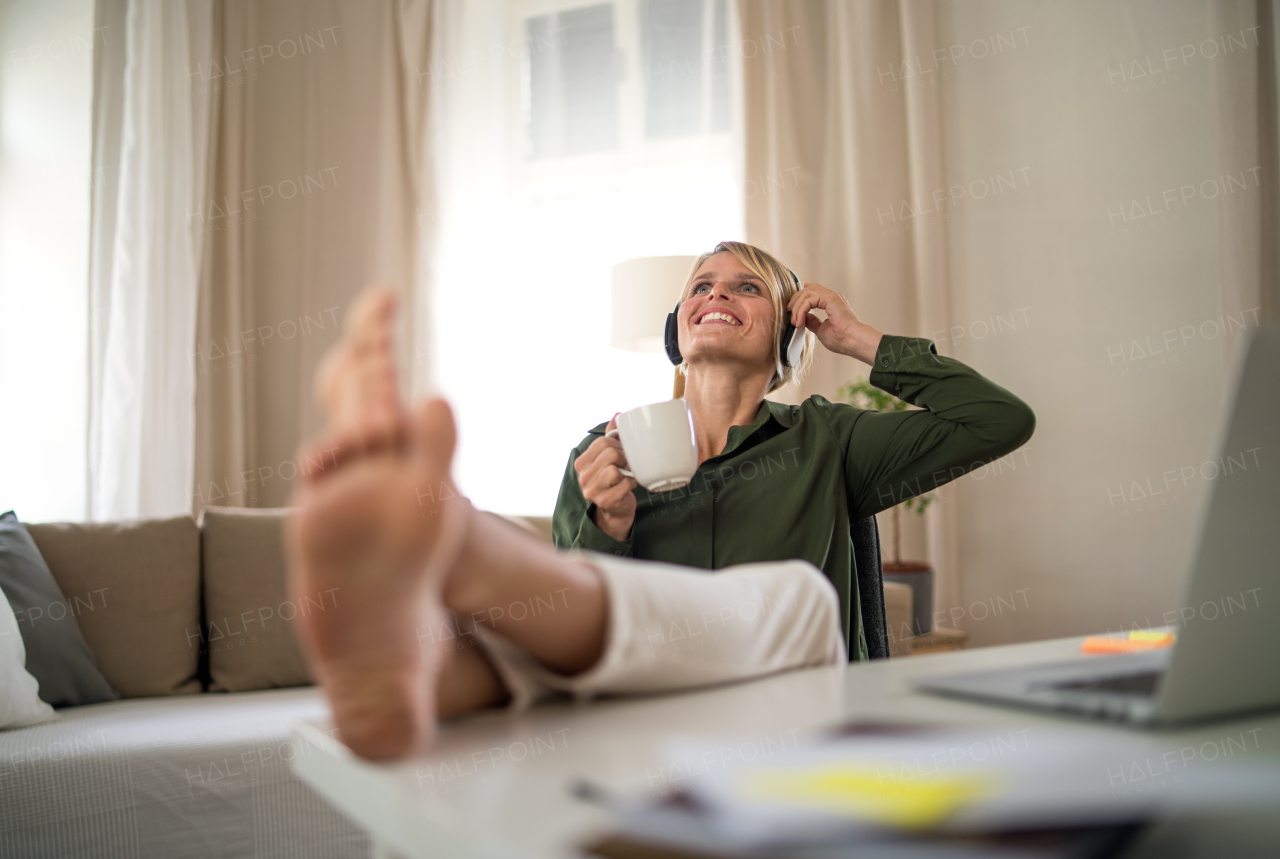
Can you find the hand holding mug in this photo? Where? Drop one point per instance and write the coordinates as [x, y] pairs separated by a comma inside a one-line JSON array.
[[606, 483]]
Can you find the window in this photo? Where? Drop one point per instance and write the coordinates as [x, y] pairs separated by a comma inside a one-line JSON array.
[[572, 85], [46, 81], [574, 70], [683, 94], [577, 139]]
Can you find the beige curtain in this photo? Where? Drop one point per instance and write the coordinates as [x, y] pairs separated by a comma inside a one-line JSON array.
[[317, 143], [845, 156], [1118, 240]]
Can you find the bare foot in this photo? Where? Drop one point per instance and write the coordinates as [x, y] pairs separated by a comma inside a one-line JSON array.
[[381, 523]]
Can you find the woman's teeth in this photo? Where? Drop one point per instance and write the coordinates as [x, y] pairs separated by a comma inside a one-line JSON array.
[[723, 317]]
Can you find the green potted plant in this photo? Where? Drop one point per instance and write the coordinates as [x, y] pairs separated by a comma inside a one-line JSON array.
[[916, 574]]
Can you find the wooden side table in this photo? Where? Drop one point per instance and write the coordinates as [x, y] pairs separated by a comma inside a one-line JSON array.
[[940, 640]]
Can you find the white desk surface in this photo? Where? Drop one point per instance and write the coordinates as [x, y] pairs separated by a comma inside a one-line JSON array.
[[469, 796]]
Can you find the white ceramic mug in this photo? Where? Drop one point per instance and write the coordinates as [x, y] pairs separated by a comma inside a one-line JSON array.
[[658, 440]]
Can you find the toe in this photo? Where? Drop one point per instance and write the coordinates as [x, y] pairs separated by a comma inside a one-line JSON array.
[[357, 383], [434, 432], [371, 313]]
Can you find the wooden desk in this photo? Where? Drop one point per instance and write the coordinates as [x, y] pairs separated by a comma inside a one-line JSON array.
[[497, 786]]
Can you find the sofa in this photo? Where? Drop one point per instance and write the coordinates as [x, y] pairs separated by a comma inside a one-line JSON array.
[[192, 623]]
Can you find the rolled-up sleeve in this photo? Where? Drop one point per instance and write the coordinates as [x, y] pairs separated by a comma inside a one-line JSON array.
[[964, 421]]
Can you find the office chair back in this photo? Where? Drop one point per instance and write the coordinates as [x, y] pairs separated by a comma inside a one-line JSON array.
[[866, 558]]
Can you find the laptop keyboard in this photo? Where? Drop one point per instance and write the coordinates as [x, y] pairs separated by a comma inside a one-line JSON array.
[[1143, 683]]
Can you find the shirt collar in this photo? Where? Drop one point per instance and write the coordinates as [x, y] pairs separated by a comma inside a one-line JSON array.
[[769, 410], [782, 413]]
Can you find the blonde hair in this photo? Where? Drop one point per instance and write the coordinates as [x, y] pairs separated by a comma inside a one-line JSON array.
[[781, 286]]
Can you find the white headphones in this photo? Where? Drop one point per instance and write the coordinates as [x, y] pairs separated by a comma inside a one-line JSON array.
[[793, 339]]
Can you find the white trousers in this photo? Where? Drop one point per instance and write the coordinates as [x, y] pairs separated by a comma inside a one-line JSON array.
[[673, 627]]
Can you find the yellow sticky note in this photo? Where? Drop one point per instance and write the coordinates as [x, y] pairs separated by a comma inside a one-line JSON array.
[[866, 795], [1150, 635]]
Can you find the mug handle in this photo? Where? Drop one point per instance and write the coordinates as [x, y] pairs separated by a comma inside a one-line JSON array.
[[613, 433]]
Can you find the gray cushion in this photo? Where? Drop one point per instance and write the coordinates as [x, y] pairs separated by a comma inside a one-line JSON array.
[[144, 622], [57, 655]]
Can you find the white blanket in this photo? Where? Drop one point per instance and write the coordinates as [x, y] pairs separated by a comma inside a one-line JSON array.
[[194, 775]]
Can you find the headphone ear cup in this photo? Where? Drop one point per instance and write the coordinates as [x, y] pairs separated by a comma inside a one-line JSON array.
[[795, 351], [671, 338], [791, 349], [784, 348]]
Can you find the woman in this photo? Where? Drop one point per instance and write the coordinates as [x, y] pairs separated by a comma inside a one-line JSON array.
[[442, 610], [776, 481]]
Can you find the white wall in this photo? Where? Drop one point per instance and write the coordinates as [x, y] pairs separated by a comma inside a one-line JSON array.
[[45, 92], [1068, 538]]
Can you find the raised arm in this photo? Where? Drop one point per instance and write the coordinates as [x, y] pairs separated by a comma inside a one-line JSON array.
[[965, 420]]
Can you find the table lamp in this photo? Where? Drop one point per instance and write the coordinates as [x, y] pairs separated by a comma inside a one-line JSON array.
[[644, 291]]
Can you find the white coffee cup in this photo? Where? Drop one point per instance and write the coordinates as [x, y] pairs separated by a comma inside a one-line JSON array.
[[659, 443]]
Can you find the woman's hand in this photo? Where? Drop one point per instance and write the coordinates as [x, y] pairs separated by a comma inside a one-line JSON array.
[[842, 331], [607, 487]]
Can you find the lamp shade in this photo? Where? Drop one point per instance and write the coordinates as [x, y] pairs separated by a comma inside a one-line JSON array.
[[644, 291]]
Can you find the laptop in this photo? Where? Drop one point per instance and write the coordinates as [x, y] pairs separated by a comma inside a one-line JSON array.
[[1226, 659]]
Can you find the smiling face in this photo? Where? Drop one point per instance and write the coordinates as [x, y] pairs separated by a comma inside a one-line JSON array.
[[727, 315]]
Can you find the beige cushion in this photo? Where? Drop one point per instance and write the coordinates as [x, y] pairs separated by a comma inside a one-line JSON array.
[[138, 606], [250, 616], [536, 526], [897, 615]]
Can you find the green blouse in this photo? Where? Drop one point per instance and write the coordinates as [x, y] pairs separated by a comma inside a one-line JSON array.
[[789, 484]]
